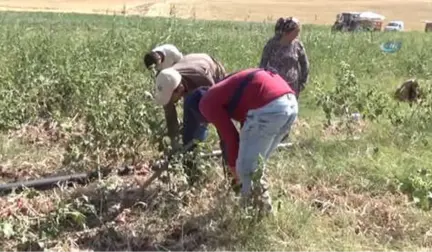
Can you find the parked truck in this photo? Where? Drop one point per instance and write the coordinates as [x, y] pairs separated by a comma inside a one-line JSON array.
[[358, 21]]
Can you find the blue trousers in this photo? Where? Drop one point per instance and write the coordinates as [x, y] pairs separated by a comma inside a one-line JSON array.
[[194, 126], [262, 131]]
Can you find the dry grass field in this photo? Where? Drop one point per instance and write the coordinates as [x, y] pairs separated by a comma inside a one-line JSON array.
[[413, 12]]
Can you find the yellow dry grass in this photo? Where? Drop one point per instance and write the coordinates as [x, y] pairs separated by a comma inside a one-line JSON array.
[[412, 12]]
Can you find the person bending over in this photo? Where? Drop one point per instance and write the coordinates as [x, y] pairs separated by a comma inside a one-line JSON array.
[[177, 82], [266, 107]]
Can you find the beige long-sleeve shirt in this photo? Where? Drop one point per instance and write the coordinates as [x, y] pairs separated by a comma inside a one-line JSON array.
[[197, 70]]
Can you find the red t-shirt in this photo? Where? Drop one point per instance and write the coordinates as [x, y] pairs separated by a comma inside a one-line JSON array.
[[262, 89]]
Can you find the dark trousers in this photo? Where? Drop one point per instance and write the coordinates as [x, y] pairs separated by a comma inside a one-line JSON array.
[[194, 128]]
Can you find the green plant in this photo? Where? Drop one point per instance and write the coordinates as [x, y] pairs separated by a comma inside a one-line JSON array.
[[348, 97], [418, 185]]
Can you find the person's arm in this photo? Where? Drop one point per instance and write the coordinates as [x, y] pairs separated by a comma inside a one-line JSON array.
[[222, 147], [304, 66], [216, 114], [177, 56], [194, 127], [265, 56], [175, 53], [172, 123], [224, 159]]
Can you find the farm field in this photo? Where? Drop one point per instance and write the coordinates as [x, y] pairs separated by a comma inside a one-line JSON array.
[[413, 12], [73, 98]]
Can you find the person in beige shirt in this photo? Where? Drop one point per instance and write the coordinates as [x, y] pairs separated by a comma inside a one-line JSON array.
[[176, 82]]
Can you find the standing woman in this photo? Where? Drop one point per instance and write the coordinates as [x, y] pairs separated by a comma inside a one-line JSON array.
[[286, 54]]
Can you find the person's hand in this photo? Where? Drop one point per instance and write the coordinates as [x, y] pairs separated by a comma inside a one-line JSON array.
[[235, 183], [234, 174], [175, 145]]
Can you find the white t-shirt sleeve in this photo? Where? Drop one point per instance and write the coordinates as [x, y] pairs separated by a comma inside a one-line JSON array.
[[176, 55]]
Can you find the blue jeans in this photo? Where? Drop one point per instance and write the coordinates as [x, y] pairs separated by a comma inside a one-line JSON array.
[[261, 133], [193, 125]]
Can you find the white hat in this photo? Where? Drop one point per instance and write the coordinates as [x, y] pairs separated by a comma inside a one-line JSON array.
[[166, 82]]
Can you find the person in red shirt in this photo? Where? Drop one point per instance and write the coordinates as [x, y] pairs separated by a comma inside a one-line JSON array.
[[265, 106]]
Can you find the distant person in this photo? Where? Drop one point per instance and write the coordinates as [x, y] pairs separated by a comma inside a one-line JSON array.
[[409, 91], [162, 57], [286, 54]]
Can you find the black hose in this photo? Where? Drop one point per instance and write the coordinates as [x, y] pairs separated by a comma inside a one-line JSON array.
[[80, 178], [68, 180], [44, 183], [86, 177]]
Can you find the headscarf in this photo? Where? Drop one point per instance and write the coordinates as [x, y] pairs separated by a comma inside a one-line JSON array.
[[286, 25]]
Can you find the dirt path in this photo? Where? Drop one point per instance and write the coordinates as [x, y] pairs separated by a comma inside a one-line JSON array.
[[412, 12]]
